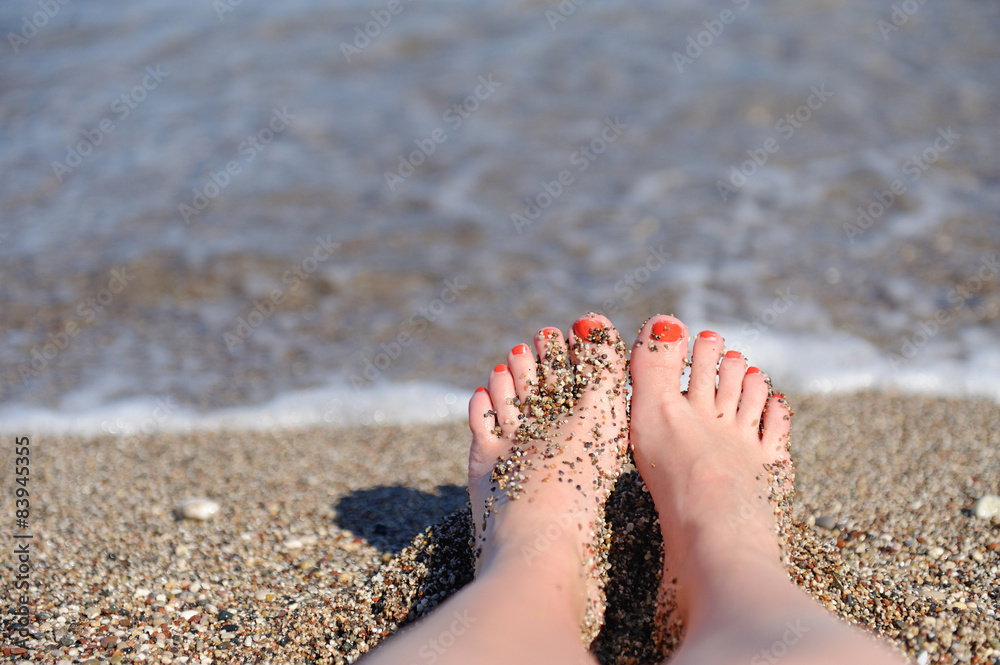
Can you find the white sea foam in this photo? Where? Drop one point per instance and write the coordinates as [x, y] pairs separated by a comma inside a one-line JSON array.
[[333, 406], [798, 365]]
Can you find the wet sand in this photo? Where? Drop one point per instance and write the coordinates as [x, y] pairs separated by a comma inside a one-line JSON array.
[[328, 540]]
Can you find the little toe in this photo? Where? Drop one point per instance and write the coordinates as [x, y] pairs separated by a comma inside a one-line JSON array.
[[777, 423], [731, 371], [487, 446], [708, 348], [505, 401], [752, 399], [657, 359]]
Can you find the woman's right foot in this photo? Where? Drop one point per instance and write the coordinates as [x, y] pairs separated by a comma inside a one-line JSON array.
[[715, 459]]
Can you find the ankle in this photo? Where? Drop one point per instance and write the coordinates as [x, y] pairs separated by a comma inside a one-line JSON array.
[[729, 579], [550, 574]]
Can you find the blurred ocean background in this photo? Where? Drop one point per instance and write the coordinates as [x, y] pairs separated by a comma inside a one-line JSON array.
[[250, 214]]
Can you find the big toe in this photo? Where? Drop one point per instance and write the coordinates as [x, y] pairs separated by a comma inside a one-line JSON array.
[[597, 351], [658, 357]]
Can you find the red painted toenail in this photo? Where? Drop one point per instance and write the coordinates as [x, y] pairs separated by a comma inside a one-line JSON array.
[[753, 370], [583, 327], [520, 349], [733, 354], [480, 389], [667, 331], [548, 333], [499, 369], [708, 334]]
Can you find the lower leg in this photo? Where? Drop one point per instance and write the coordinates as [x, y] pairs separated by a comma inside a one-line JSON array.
[[747, 611], [508, 614]]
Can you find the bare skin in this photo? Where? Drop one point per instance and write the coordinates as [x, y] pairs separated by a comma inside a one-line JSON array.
[[702, 454], [706, 456], [533, 580]]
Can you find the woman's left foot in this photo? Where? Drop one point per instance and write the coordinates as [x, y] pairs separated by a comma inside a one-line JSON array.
[[548, 440]]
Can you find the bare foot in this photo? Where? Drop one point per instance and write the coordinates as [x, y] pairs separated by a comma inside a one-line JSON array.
[[547, 444], [716, 461], [548, 439], [703, 453]]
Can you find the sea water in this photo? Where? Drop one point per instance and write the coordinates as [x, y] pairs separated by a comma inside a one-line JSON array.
[[246, 214]]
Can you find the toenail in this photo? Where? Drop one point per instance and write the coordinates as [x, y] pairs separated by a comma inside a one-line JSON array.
[[499, 369], [667, 331], [480, 389], [548, 333], [708, 334], [733, 354], [520, 349], [753, 370], [583, 328]]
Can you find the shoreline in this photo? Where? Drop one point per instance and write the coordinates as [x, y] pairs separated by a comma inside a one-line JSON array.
[[321, 546]]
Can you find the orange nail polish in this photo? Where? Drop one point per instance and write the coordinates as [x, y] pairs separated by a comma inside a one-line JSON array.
[[548, 333], [753, 370], [583, 327], [666, 331], [520, 349], [708, 334], [733, 354], [500, 369], [480, 389]]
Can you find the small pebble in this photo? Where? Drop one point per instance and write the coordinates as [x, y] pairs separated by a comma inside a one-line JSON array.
[[828, 522], [198, 509], [987, 507]]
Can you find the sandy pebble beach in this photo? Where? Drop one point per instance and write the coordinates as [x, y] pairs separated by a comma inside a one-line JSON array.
[[328, 540]]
